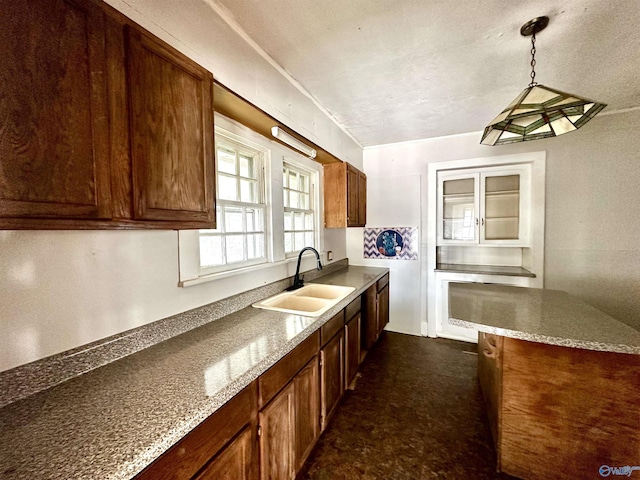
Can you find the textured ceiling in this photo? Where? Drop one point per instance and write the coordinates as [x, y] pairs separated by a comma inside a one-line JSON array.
[[392, 71]]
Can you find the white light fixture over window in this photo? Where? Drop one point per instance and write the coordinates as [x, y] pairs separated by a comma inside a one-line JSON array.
[[293, 142], [539, 111]]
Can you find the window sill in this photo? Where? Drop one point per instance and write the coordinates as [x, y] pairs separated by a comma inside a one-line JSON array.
[[212, 277]]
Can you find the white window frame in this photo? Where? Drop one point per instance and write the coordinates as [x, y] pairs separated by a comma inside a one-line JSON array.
[[291, 165], [278, 266], [240, 146]]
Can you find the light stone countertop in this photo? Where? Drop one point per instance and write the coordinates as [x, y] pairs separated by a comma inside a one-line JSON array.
[[112, 422], [539, 315]]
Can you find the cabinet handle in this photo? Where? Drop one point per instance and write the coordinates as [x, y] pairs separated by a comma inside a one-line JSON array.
[[476, 222], [483, 221]]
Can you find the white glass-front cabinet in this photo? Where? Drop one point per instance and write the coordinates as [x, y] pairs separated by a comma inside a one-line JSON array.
[[484, 206]]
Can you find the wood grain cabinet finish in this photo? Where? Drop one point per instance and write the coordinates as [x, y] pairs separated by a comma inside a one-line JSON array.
[[307, 410], [331, 376], [102, 125], [229, 432], [171, 131], [290, 425], [559, 412], [53, 111], [234, 462], [277, 436], [375, 311], [345, 196], [352, 349]]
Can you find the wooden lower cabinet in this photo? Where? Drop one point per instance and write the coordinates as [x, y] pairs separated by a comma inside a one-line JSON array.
[[234, 462], [331, 376], [375, 311], [307, 411], [352, 349], [289, 425], [277, 436]]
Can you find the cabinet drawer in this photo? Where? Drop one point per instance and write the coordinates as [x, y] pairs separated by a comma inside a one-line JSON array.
[[191, 453], [382, 282], [274, 379], [353, 308], [333, 326]]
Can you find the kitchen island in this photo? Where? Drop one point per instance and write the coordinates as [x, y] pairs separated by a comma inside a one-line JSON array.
[[561, 380]]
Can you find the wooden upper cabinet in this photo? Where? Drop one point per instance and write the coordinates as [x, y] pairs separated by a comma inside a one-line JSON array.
[[345, 196], [53, 111], [102, 125], [171, 132]]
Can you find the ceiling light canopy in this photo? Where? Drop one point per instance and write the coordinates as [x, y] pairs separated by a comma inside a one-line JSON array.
[[539, 111]]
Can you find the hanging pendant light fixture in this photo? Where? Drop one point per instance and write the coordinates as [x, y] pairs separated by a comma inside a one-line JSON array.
[[539, 111]]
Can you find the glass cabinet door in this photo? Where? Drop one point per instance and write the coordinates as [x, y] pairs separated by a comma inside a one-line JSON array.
[[459, 209], [501, 217]]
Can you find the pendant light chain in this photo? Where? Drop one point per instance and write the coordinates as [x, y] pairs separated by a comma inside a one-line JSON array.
[[533, 61]]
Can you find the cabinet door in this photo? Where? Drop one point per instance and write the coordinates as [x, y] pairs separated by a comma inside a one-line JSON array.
[[352, 349], [233, 462], [369, 318], [171, 125], [383, 308], [54, 127], [307, 393], [458, 208], [332, 376], [277, 438], [352, 197], [503, 206], [362, 199]]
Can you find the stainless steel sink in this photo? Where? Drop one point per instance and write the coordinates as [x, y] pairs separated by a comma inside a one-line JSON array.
[[312, 300]]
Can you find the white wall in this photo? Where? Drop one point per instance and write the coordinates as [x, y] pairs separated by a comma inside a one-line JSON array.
[[63, 289], [393, 200], [592, 231]]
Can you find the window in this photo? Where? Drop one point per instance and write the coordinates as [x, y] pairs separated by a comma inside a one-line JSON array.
[[240, 237], [266, 194], [299, 215]]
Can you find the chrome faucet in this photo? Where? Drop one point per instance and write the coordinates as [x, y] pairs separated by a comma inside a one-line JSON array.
[[298, 281]]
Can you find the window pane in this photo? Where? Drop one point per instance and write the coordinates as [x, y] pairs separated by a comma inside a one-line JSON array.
[[285, 197], [247, 166], [308, 221], [285, 175], [299, 241], [248, 191], [299, 221], [233, 219], [211, 251], [288, 220], [293, 199], [255, 246], [288, 242], [235, 248], [226, 161], [304, 183], [293, 180], [308, 239], [255, 220], [227, 188], [304, 201]]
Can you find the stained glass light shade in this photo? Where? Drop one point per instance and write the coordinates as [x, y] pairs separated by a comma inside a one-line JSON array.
[[540, 112]]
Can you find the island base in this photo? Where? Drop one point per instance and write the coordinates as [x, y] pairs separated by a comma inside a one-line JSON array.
[[559, 412]]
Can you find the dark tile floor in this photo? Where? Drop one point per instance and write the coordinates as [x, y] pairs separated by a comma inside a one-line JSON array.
[[416, 413]]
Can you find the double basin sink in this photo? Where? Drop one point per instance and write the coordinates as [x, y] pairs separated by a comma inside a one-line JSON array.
[[311, 300]]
